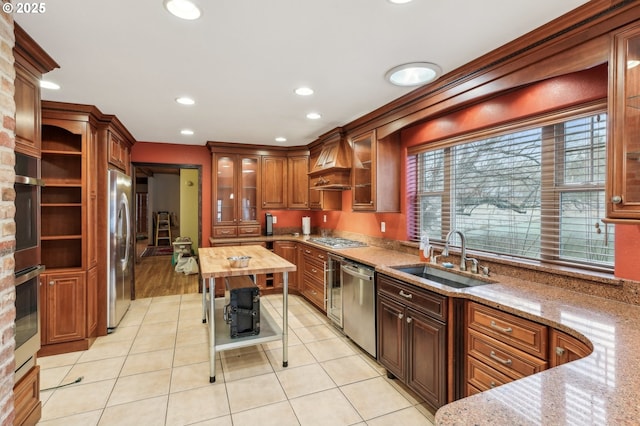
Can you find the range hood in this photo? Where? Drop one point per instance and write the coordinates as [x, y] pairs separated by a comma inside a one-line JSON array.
[[332, 169]]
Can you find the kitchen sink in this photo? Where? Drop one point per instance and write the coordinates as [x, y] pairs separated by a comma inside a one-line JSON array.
[[440, 276]]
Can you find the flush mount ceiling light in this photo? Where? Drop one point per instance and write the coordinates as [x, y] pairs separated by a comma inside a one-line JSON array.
[[281, 139], [400, 1], [49, 85], [413, 74], [183, 9], [183, 100], [186, 132], [304, 91], [313, 116]]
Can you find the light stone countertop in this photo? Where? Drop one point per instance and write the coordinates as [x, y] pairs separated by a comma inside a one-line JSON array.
[[602, 388]]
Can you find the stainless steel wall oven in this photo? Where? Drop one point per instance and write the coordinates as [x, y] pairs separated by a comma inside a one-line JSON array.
[[27, 262]]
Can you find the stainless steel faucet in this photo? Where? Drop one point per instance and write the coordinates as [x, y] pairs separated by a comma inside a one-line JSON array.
[[463, 251]]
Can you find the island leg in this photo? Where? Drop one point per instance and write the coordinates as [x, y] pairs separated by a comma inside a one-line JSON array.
[[204, 300], [285, 318], [212, 330]]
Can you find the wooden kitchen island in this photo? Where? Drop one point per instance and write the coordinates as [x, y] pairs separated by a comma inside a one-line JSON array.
[[214, 264]]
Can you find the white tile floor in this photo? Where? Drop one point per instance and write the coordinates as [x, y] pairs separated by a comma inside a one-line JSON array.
[[154, 370]]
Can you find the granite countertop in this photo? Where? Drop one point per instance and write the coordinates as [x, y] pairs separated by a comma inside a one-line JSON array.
[[602, 388]]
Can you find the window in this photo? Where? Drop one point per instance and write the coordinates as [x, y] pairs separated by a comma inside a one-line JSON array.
[[533, 192]]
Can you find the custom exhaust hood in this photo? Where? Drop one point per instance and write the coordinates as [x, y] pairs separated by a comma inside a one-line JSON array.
[[332, 169]]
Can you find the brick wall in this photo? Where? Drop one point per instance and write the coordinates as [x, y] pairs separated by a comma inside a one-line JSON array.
[[7, 225]]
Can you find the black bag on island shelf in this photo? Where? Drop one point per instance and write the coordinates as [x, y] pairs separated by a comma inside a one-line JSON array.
[[242, 306]]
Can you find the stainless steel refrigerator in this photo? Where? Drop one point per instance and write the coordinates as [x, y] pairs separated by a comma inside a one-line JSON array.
[[120, 248]]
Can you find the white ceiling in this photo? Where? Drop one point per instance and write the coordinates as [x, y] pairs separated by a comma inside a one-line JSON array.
[[242, 59]]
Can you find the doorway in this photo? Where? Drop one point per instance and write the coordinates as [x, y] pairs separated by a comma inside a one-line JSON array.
[[175, 192]]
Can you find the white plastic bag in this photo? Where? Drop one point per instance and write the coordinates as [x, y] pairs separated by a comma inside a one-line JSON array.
[[187, 265]]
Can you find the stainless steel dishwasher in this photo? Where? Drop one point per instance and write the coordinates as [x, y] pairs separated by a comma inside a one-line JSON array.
[[358, 304]]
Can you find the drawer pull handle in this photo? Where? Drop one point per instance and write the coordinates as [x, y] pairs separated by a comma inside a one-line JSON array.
[[497, 327], [500, 360], [314, 270], [405, 295]]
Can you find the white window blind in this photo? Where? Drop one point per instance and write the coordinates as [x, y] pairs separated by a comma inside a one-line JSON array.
[[534, 193]]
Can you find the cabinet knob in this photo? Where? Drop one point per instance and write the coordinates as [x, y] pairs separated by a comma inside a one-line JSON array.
[[616, 199], [52, 282], [400, 315], [559, 351], [409, 319]]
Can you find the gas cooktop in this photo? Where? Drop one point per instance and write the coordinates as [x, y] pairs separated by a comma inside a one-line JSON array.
[[337, 242]]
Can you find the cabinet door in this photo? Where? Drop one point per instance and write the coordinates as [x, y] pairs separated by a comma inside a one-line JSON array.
[[391, 340], [27, 99], [427, 366], [274, 182], [298, 182], [92, 302], [225, 194], [249, 181], [565, 348], [287, 250], [65, 300], [624, 111], [363, 172]]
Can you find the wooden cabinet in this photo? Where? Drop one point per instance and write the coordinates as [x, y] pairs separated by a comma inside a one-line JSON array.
[[274, 182], [119, 150], [236, 179], [318, 199], [298, 181], [313, 267], [26, 399], [31, 62], [412, 337], [623, 180], [70, 227], [287, 250], [376, 173], [502, 347], [64, 307], [565, 348]]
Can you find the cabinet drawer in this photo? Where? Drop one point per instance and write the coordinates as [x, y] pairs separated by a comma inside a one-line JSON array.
[[314, 291], [249, 231], [314, 253], [523, 334], [225, 231], [314, 269], [510, 361], [425, 301], [483, 377]]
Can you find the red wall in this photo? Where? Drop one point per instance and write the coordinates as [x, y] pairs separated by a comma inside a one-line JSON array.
[[164, 153]]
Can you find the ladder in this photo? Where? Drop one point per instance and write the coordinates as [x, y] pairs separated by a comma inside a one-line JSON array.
[[163, 228]]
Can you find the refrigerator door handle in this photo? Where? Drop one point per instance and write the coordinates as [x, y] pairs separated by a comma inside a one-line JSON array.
[[124, 205]]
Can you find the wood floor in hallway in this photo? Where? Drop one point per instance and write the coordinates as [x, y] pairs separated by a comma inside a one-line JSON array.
[[155, 276]]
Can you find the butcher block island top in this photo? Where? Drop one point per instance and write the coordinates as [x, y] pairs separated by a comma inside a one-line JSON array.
[[214, 263]]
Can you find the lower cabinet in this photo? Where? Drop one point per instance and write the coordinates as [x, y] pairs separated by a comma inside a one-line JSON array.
[[287, 250], [412, 337], [565, 348], [26, 398], [68, 311], [502, 347], [313, 263]]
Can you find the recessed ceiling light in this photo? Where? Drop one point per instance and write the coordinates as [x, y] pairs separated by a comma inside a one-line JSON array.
[[632, 63], [313, 116], [49, 85], [304, 91], [186, 132], [185, 101], [281, 139], [400, 1], [413, 74], [183, 9]]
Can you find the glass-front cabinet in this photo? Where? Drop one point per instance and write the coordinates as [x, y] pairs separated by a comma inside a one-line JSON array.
[[624, 110], [361, 172], [235, 195]]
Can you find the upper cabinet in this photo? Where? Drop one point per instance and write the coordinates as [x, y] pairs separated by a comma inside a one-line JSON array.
[[30, 63], [298, 180], [119, 143], [623, 183], [376, 173], [274, 182], [236, 179]]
